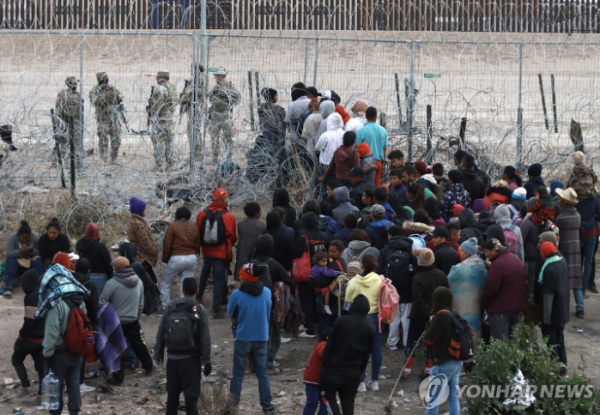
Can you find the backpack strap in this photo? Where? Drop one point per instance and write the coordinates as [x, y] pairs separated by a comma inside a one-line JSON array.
[[444, 311], [339, 265]]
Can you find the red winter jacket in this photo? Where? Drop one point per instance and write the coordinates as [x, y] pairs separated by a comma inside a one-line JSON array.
[[224, 251], [505, 289], [343, 113], [313, 370]]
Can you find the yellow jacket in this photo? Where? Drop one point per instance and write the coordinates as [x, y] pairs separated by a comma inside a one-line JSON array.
[[368, 286]]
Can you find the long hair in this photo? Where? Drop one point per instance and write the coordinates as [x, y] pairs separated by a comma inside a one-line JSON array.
[[418, 193]]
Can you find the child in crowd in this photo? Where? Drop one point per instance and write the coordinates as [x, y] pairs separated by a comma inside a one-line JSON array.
[[368, 199], [396, 158], [319, 269], [312, 378], [543, 209], [438, 174], [396, 184]]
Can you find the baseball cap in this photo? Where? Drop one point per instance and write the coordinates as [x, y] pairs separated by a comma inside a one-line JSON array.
[[378, 211], [163, 74], [330, 94], [442, 232], [356, 171], [219, 194]]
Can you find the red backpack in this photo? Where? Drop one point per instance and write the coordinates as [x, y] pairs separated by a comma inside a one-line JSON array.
[[388, 301], [79, 337]]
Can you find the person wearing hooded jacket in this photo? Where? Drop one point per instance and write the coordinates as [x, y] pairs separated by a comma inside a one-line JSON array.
[[345, 157], [326, 108], [472, 183], [378, 228], [31, 335], [469, 226], [96, 252], [497, 194], [438, 335], [281, 198], [402, 282], [503, 219], [346, 356], [139, 234], [284, 250], [358, 247], [330, 140], [342, 198], [535, 179], [445, 255], [125, 292], [456, 194]]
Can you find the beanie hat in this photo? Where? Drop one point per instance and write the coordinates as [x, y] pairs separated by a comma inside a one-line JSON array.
[[548, 236], [82, 266], [247, 272], [478, 205], [219, 194], [442, 232], [469, 246], [426, 257], [519, 193], [360, 107], [62, 259], [578, 158], [353, 269], [547, 249], [92, 231], [442, 299], [456, 209], [535, 170], [121, 262], [421, 167]]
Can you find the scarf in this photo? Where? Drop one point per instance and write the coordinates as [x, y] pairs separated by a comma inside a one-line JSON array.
[[549, 261]]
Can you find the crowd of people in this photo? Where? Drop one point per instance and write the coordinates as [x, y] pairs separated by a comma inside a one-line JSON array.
[[449, 241]]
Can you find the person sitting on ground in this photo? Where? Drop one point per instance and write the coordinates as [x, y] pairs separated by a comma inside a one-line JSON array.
[[320, 261], [181, 245], [21, 254], [53, 242], [456, 194], [96, 252], [249, 230], [445, 256], [345, 157], [358, 119], [367, 162], [511, 176], [342, 198], [126, 293], [350, 223], [188, 348], [378, 228], [543, 208]]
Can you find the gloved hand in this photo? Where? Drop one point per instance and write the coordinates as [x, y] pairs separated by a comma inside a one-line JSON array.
[[207, 369], [49, 361]]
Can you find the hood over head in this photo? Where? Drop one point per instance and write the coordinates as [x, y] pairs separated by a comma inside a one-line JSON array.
[[360, 306], [335, 122], [503, 216], [326, 108], [137, 206], [75, 298], [92, 231], [30, 281], [127, 277], [311, 221], [442, 299], [356, 247], [495, 231], [253, 288], [555, 184], [281, 197], [341, 194], [273, 221], [265, 245], [467, 219], [363, 149]]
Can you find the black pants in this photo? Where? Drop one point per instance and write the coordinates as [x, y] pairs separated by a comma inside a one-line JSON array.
[[556, 339], [343, 382], [308, 301], [22, 349], [502, 325], [183, 375], [133, 334], [66, 368], [592, 280]]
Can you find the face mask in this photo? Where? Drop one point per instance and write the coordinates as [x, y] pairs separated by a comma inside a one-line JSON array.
[[103, 82]]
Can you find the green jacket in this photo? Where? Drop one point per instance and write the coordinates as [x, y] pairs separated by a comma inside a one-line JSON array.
[[202, 332], [56, 322]]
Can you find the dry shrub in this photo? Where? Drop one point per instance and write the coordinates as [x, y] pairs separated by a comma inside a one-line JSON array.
[[216, 400]]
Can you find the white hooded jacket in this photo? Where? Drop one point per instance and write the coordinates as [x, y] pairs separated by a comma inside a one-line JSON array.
[[332, 139]]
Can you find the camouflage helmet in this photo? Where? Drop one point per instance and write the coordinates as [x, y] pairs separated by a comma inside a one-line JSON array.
[[71, 81], [199, 65], [163, 74], [101, 75]]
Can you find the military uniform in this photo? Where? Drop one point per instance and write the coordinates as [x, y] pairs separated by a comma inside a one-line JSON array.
[[67, 109], [162, 109], [222, 98], [106, 99], [194, 120]]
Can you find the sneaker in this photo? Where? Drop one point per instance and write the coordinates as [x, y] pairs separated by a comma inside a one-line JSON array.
[[24, 391], [305, 334], [593, 289], [404, 378], [114, 382], [215, 316], [391, 347], [159, 312], [285, 340], [83, 388], [373, 385], [8, 294], [579, 314], [271, 411], [150, 372], [362, 387], [274, 364]]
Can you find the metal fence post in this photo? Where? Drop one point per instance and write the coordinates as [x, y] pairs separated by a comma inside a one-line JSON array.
[[193, 139], [305, 60], [80, 132], [316, 62], [520, 111], [203, 31], [411, 100]]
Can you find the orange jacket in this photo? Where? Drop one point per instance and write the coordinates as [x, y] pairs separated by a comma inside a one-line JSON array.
[[343, 113], [224, 251]]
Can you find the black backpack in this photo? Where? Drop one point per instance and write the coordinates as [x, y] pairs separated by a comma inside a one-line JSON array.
[[180, 327], [462, 346], [212, 231], [151, 297], [399, 266]]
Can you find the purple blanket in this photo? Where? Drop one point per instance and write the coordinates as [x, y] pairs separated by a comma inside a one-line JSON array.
[[110, 341]]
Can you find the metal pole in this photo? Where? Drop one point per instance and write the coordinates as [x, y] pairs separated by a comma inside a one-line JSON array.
[[203, 31], [520, 111], [554, 104], [192, 121], [411, 96], [81, 98], [316, 63], [256, 79], [305, 60], [72, 155], [543, 102], [398, 102], [429, 156], [251, 101], [205, 92]]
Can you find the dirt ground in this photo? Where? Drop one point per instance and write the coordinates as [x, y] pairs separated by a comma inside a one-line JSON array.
[[581, 337]]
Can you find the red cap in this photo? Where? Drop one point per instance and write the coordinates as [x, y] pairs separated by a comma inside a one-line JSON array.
[[456, 209], [421, 167], [547, 249], [219, 194]]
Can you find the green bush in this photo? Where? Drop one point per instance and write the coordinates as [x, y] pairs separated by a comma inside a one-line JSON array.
[[498, 362]]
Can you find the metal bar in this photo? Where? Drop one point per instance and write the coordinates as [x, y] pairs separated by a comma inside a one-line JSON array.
[[520, 111], [193, 105], [305, 60], [411, 95], [398, 102], [81, 90], [72, 155], [429, 155], [256, 80], [251, 101], [554, 104], [316, 62], [461, 133], [203, 32], [543, 102]]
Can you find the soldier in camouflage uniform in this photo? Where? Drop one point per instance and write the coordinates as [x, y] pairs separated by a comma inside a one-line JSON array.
[[107, 100], [223, 97], [162, 108], [67, 109], [194, 112]]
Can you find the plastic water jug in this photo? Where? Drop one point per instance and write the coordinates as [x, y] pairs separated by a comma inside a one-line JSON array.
[[50, 392]]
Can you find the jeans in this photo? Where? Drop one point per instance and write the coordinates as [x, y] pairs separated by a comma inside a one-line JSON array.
[[274, 342], [502, 325], [14, 270], [343, 382], [219, 267], [99, 281], [375, 352], [178, 264], [66, 367], [588, 259], [313, 401], [401, 319], [451, 371], [578, 295], [259, 353], [22, 349], [130, 359]]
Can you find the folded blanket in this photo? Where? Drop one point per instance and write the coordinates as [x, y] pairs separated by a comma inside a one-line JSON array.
[[110, 341]]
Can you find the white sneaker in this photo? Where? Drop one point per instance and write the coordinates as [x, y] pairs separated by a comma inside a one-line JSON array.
[[83, 388], [305, 334], [373, 385], [391, 347], [285, 340], [362, 387], [327, 309]]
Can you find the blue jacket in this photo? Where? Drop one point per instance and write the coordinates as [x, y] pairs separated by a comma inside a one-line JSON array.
[[378, 232], [252, 310], [589, 210], [400, 191], [343, 236]]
